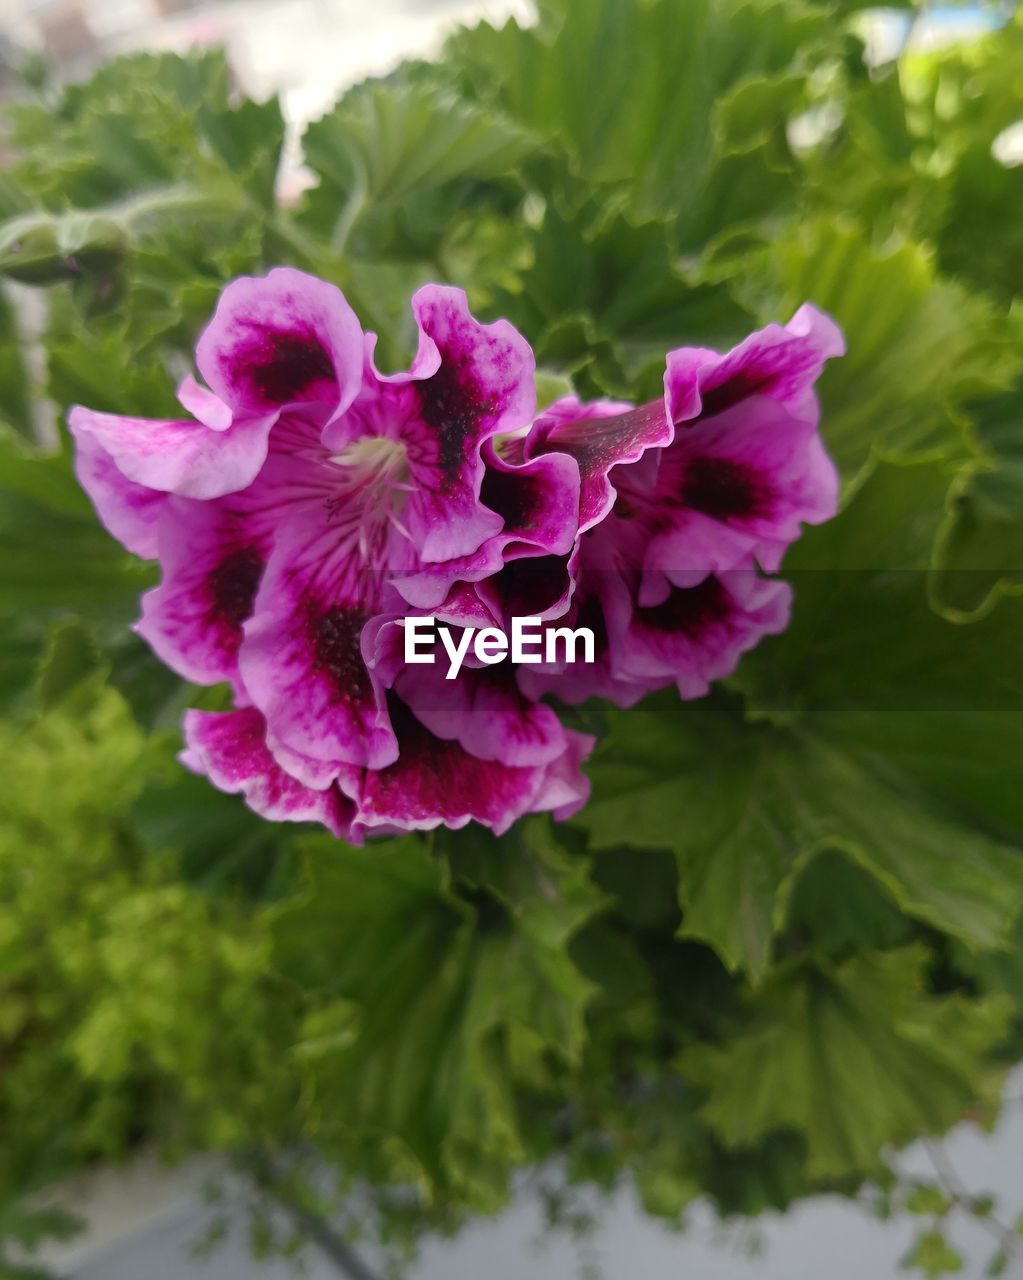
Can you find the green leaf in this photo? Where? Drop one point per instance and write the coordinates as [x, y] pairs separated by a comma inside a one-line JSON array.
[[933, 1255], [863, 637], [744, 808], [998, 1265], [623, 278], [853, 1058], [981, 240], [896, 732], [55, 557], [443, 1004], [72, 656], [910, 363], [679, 87], [15, 384], [927, 1198], [384, 146], [980, 549], [836, 906]]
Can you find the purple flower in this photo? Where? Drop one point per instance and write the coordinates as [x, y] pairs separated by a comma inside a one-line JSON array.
[[683, 503], [305, 504]]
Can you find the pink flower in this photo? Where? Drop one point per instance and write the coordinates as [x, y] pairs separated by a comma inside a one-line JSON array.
[[305, 504], [683, 503]]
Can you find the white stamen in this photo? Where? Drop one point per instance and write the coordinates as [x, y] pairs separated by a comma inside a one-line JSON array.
[[372, 482]]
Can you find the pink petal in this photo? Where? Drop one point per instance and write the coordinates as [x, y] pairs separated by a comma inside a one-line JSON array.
[[212, 555], [183, 457], [282, 339], [301, 658], [435, 783], [230, 749], [129, 511]]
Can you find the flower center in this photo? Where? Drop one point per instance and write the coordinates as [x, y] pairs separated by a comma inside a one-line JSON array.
[[370, 490], [373, 460]]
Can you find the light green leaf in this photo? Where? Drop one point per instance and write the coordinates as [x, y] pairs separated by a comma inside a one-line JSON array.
[[678, 85], [383, 145], [853, 1058], [918, 347], [932, 1255]]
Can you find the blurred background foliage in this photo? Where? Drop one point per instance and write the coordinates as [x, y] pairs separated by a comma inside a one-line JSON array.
[[784, 938]]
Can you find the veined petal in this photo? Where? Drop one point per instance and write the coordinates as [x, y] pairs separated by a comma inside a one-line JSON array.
[[781, 362], [600, 436], [170, 456], [212, 555], [230, 748], [437, 783], [129, 511], [538, 502], [301, 657], [482, 385], [698, 633], [282, 339], [484, 711]]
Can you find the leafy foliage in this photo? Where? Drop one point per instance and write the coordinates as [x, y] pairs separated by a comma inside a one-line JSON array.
[[784, 937]]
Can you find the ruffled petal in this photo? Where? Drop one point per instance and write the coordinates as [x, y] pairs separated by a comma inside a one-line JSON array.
[[781, 362], [538, 502], [697, 634], [564, 788], [282, 339], [484, 711], [213, 554], [600, 436], [438, 783], [230, 748], [482, 385]]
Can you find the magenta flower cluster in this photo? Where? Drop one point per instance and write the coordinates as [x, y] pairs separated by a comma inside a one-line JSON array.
[[305, 504]]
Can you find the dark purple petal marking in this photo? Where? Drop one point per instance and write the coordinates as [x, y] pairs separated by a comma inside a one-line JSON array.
[[693, 611], [233, 584], [451, 403], [434, 777], [740, 386], [282, 366], [518, 498], [335, 636], [723, 489], [528, 587], [590, 614]]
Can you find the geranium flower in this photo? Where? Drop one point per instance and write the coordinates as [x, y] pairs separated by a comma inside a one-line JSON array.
[[682, 501], [273, 563], [309, 504]]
